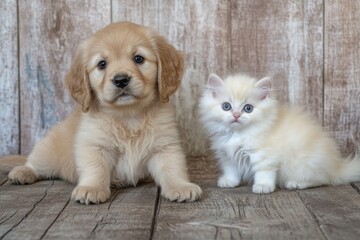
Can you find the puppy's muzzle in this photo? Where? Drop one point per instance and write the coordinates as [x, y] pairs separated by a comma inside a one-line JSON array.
[[121, 81]]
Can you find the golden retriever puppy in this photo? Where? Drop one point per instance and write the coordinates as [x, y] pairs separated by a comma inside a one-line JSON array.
[[124, 129]]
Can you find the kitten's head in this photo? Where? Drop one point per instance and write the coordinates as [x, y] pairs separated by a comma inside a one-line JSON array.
[[236, 102]]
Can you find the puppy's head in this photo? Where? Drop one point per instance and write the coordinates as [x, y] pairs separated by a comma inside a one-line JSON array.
[[124, 65]]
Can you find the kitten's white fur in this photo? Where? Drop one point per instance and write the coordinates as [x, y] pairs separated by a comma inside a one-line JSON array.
[[275, 144]]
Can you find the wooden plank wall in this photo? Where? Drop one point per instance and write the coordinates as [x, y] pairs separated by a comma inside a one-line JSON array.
[[342, 72], [48, 34], [9, 84], [311, 48]]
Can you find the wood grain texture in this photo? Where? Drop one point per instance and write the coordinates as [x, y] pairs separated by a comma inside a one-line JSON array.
[[283, 40], [342, 72], [127, 215], [137, 11], [200, 30], [43, 211], [49, 34], [9, 87], [335, 209], [21, 206], [234, 213], [3, 178]]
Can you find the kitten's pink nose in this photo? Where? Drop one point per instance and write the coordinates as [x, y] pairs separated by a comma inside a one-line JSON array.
[[236, 115]]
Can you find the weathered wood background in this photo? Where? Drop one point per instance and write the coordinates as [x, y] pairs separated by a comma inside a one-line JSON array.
[[311, 48]]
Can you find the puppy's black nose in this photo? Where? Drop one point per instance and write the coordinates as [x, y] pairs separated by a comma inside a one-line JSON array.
[[121, 81]]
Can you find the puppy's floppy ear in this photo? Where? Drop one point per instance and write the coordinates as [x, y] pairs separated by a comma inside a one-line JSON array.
[[170, 68], [77, 79]]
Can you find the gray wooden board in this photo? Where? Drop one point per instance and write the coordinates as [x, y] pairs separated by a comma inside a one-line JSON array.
[[127, 215], [357, 186], [234, 213], [49, 32], [43, 211], [3, 178], [335, 209], [9, 80], [28, 210], [136, 11], [341, 69]]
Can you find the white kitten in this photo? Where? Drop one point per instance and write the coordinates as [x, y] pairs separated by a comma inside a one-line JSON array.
[[254, 136]]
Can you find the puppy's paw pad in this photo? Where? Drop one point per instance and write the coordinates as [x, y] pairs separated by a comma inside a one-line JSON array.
[[187, 192], [263, 188], [22, 175], [90, 195], [226, 183]]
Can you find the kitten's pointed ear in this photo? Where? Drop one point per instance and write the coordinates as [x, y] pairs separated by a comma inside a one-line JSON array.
[[264, 86], [214, 83]]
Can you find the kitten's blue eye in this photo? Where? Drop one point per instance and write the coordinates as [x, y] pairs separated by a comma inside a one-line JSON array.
[[226, 106], [248, 108]]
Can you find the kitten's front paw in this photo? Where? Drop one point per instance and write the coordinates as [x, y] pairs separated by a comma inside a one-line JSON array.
[[90, 195], [184, 192], [296, 185], [262, 188], [225, 182], [22, 175]]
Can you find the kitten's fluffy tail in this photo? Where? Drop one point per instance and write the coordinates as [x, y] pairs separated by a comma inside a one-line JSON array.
[[7, 163], [350, 171]]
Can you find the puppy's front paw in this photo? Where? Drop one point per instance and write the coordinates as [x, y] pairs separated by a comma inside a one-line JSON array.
[[90, 195], [22, 175], [184, 192], [263, 188], [225, 182]]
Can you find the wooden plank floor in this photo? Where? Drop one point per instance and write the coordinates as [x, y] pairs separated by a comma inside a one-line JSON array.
[[44, 211]]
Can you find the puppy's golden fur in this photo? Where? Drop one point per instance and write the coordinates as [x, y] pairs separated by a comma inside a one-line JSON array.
[[118, 135]]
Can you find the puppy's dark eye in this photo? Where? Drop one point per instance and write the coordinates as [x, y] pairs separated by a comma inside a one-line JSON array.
[[248, 108], [138, 59], [226, 106], [102, 65]]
